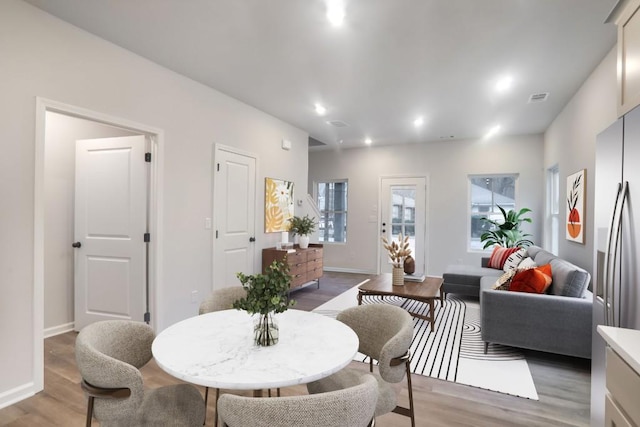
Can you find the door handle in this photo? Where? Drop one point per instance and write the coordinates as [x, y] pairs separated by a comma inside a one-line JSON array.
[[76, 244], [252, 239]]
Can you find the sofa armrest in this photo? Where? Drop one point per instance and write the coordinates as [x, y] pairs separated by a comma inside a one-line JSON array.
[[552, 323]]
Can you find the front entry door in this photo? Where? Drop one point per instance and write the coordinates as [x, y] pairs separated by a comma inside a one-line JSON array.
[[110, 222], [234, 215], [403, 208]]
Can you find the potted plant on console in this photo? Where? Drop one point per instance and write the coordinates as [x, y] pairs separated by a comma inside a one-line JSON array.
[[267, 294], [303, 227]]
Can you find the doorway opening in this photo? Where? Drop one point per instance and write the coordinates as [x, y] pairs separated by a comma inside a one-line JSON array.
[[403, 211], [58, 127]]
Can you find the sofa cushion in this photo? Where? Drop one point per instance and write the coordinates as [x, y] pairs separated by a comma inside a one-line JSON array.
[[532, 280], [499, 256], [568, 279]]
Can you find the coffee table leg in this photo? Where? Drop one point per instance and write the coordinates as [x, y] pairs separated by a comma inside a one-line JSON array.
[[360, 298], [432, 314]]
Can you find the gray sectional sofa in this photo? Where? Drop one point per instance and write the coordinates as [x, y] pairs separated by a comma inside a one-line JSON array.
[[558, 321]]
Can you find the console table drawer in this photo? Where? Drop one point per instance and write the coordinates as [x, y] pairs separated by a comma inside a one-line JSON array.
[[305, 265]]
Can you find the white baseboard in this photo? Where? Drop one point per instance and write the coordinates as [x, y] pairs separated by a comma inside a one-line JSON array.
[[347, 270], [17, 394], [57, 330]]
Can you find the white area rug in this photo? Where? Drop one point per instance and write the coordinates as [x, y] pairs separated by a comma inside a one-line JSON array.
[[454, 351]]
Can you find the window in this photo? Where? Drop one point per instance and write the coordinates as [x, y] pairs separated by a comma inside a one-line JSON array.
[[553, 209], [332, 202], [486, 193]]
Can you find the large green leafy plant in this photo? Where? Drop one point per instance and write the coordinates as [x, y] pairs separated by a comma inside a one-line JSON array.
[[507, 232]]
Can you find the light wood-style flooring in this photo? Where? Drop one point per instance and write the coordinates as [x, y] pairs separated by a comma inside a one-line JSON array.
[[563, 384]]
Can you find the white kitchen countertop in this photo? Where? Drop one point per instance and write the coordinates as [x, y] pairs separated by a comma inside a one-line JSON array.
[[625, 342]]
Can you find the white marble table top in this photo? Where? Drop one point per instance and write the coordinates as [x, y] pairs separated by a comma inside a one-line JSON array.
[[217, 350]]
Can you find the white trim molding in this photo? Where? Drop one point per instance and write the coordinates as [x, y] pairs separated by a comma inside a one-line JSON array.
[[57, 330]]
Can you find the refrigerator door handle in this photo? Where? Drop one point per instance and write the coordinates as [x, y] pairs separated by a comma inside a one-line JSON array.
[[615, 297], [607, 259]]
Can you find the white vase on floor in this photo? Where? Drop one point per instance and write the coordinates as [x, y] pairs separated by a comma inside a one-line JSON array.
[[303, 241]]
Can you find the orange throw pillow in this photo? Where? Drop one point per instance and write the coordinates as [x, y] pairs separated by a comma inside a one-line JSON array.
[[499, 256], [534, 280]]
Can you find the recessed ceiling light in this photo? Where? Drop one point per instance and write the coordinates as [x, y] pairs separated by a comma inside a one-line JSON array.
[[368, 141], [504, 83], [494, 130], [335, 12], [320, 110], [418, 122]]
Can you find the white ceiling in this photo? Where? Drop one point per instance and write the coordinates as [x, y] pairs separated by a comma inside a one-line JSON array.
[[391, 60]]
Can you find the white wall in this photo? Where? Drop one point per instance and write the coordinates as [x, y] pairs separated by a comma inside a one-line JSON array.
[[62, 131], [43, 56], [447, 165], [570, 143]]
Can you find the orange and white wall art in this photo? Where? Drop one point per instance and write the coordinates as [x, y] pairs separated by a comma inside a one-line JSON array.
[[575, 206], [278, 205]]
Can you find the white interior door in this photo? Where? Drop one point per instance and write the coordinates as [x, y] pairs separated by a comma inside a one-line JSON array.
[[110, 222], [234, 216], [403, 209]]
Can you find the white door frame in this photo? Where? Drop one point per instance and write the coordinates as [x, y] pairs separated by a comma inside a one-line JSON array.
[[426, 219], [155, 216]]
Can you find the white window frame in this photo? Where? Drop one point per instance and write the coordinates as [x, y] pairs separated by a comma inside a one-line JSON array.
[[553, 210], [470, 214], [321, 209]]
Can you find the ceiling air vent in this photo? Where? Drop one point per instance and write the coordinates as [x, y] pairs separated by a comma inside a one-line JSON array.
[[538, 97], [337, 123]]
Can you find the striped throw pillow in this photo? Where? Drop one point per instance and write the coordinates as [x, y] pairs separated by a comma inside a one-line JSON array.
[[514, 259], [499, 256]]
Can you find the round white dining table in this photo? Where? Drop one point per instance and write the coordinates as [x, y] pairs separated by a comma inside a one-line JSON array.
[[217, 350]]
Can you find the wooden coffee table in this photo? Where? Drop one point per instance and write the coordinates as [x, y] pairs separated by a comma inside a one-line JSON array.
[[426, 291]]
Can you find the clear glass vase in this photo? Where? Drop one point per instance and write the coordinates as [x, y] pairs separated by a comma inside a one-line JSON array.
[[265, 330]]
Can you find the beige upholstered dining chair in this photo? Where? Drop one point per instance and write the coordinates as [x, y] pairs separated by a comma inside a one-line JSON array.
[[353, 407], [218, 300], [109, 355], [385, 333]]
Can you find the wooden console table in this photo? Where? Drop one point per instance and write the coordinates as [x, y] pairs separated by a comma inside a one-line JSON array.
[[305, 265]]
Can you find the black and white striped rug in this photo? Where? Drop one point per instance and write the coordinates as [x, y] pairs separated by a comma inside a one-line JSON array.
[[454, 351]]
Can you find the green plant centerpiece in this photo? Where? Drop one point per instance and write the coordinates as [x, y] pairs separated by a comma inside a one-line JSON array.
[[303, 227], [507, 232], [267, 294]]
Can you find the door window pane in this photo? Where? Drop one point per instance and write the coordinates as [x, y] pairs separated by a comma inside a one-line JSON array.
[[403, 199]]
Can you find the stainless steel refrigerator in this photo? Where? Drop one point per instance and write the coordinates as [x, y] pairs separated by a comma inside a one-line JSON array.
[[616, 276]]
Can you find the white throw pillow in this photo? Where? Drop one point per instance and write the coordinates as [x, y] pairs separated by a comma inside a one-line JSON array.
[[515, 259], [526, 264]]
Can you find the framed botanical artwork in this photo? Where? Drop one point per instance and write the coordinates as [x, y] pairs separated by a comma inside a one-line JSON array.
[[576, 187], [278, 205]]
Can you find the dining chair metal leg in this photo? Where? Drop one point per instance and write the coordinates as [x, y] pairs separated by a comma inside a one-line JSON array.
[[408, 412], [206, 400], [89, 411], [217, 397]]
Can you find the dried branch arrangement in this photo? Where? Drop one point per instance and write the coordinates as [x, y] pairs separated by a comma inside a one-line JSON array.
[[397, 251]]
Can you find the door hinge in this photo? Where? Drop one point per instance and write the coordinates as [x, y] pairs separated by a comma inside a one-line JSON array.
[[147, 317], [216, 234], [218, 167], [147, 237], [147, 157]]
